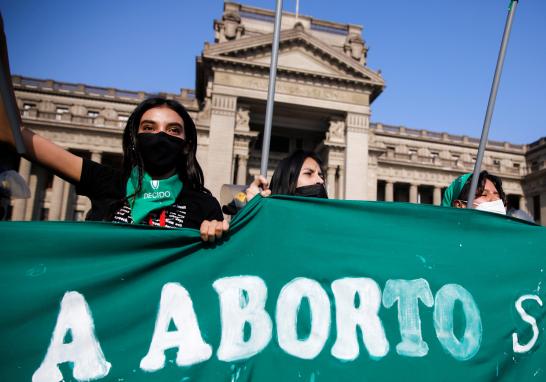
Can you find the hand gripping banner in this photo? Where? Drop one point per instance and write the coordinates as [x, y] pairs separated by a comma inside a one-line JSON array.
[[300, 290]]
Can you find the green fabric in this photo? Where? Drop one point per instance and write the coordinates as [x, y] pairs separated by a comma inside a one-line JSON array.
[[121, 270], [155, 194], [454, 190]]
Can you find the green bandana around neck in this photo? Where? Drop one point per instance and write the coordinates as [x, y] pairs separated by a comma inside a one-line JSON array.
[[155, 194], [453, 192]]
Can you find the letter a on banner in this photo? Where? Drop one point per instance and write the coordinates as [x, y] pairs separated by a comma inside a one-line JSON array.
[[83, 351], [176, 306]]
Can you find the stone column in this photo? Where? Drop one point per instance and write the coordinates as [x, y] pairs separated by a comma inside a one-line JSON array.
[[29, 207], [437, 196], [530, 205], [55, 204], [389, 191], [19, 205], [37, 194], [242, 169], [221, 133], [68, 205], [341, 185], [331, 182], [356, 156], [413, 193]]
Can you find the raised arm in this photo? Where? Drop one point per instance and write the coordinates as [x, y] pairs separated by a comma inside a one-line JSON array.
[[38, 149], [46, 153]]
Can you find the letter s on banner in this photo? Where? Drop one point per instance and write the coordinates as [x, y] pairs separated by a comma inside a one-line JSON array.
[[518, 348]]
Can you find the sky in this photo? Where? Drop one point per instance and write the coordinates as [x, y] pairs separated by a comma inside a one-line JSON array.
[[437, 57]]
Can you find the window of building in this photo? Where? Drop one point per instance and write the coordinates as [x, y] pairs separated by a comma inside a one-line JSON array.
[[60, 110], [27, 106], [412, 151], [92, 113], [517, 165], [496, 162], [435, 154], [122, 119]]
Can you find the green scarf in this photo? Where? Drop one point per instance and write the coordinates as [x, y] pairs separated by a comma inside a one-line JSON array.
[[155, 194], [454, 190]]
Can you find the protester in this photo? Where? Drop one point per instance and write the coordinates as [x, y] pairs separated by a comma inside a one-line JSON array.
[[489, 196], [161, 182], [299, 174]]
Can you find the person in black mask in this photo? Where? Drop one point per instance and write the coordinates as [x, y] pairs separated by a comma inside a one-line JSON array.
[[299, 174], [161, 182]]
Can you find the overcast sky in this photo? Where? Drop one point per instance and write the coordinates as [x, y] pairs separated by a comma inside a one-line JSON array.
[[437, 56]]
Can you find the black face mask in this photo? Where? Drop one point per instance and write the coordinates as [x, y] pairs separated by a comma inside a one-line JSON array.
[[160, 152], [314, 190]]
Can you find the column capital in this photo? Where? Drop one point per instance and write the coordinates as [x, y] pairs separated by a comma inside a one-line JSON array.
[[357, 122], [224, 104]]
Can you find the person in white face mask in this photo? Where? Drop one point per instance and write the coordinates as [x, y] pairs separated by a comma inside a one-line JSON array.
[[489, 196]]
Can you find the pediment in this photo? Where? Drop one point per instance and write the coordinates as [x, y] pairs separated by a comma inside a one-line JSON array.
[[298, 52], [299, 59]]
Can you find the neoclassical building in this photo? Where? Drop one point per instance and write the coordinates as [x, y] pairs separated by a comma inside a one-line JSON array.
[[323, 96]]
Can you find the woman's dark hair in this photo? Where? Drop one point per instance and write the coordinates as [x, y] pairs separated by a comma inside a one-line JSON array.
[[188, 170], [484, 175], [285, 177]]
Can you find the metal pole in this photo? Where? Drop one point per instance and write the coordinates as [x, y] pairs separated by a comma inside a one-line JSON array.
[[491, 104], [271, 90], [7, 96]]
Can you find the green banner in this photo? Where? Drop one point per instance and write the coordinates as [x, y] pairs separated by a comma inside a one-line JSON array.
[[300, 289]]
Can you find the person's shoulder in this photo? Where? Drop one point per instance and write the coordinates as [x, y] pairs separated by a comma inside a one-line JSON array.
[[203, 204], [99, 180], [91, 169]]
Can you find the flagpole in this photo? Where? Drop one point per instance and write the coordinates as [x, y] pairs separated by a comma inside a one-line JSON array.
[[491, 103], [271, 90]]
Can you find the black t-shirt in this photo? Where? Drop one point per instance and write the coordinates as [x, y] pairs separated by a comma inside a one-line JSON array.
[[106, 189]]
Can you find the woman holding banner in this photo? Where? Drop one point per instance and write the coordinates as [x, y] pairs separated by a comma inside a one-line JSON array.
[[299, 174], [161, 182], [489, 197]]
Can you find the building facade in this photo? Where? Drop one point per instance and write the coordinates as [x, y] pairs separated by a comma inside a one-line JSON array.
[[323, 95]]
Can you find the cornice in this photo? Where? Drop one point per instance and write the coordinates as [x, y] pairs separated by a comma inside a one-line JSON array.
[[263, 69], [219, 51]]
